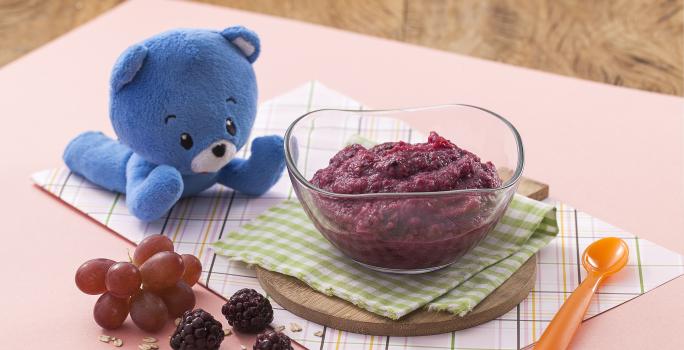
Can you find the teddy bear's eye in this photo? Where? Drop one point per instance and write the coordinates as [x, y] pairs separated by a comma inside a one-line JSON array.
[[186, 140], [230, 127]]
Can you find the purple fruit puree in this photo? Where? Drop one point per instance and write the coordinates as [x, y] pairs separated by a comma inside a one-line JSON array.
[[406, 232]]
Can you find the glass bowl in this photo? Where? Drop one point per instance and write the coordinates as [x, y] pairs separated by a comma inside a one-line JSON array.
[[408, 232]]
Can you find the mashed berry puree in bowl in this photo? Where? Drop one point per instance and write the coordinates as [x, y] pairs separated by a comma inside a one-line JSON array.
[[403, 207]]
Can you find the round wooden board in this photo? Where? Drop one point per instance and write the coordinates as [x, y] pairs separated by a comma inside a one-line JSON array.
[[301, 300]]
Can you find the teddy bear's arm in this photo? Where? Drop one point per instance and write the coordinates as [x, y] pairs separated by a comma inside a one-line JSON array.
[[256, 175], [151, 190]]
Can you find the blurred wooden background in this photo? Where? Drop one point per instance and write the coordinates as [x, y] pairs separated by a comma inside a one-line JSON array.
[[634, 43]]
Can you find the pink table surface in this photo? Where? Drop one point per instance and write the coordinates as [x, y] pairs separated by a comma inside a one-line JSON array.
[[613, 152]]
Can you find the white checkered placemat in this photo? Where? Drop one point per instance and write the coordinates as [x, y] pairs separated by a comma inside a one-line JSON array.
[[195, 222]]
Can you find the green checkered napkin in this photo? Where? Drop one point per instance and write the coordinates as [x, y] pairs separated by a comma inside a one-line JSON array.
[[284, 240]]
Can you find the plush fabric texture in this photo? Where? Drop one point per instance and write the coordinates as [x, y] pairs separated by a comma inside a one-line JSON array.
[[261, 171], [96, 156], [182, 103]]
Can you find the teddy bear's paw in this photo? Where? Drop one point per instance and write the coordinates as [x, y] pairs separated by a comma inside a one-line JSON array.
[[261, 171], [268, 150], [156, 195]]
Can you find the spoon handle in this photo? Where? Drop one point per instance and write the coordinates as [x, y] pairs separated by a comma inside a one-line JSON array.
[[559, 332]]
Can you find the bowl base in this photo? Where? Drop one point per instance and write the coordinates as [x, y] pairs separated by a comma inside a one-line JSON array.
[[403, 271]]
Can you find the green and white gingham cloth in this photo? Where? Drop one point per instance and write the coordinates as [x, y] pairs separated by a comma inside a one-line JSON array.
[[284, 240]]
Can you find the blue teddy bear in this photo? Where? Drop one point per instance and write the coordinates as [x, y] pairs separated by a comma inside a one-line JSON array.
[[182, 104]]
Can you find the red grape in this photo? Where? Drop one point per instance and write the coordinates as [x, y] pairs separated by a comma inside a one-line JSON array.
[[150, 246], [193, 269], [123, 279], [148, 311], [178, 299], [110, 312], [90, 277], [161, 271]]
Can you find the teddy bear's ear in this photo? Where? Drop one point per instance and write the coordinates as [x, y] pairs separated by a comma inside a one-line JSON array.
[[245, 40], [127, 66]]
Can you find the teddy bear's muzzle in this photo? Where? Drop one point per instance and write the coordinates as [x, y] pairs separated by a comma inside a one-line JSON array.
[[214, 157]]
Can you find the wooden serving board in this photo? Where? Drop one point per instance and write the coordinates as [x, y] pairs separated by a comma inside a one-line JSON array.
[[298, 298]]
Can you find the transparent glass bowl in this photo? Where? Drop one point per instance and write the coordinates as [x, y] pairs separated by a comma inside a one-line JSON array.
[[412, 232]]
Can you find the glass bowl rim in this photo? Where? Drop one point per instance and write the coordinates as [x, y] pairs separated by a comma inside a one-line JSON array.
[[292, 168]]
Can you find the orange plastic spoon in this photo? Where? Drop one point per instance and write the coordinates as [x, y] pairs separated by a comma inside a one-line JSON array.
[[601, 259]]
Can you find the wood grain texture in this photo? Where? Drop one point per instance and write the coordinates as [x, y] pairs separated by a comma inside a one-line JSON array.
[[27, 24], [533, 189], [384, 18], [633, 43], [298, 298], [526, 187]]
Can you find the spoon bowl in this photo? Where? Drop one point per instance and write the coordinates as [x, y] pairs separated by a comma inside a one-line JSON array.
[[606, 256]]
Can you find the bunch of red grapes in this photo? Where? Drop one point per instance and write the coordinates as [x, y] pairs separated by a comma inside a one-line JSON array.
[[153, 288]]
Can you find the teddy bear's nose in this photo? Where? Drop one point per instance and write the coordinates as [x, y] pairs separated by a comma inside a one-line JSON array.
[[219, 150]]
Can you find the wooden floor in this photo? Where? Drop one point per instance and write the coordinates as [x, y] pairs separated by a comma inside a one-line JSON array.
[[635, 43]]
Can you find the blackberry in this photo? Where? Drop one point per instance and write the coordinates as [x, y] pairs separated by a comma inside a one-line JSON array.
[[272, 341], [248, 311], [198, 330]]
